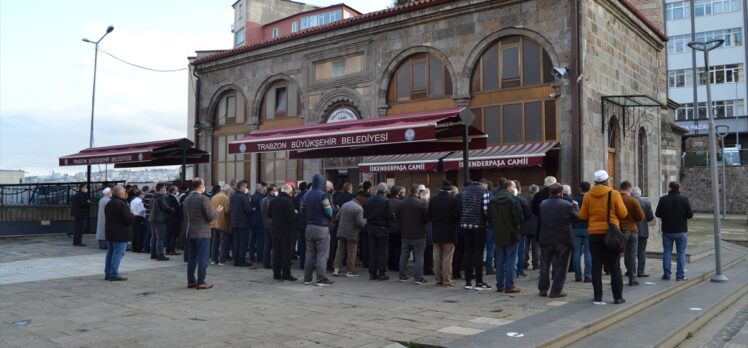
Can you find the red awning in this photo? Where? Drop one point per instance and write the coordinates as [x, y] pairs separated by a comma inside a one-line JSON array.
[[418, 162], [431, 131], [505, 156], [155, 153], [495, 157]]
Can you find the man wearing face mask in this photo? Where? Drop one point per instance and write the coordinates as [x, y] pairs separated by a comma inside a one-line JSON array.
[[241, 213], [79, 209], [267, 223], [198, 215], [505, 214]]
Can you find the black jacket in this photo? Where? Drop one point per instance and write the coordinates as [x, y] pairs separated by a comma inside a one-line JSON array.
[[412, 214], [282, 215], [79, 205], [444, 212], [558, 217], [341, 198], [241, 210], [161, 211], [119, 220], [377, 211], [536, 200], [674, 209], [526, 214]]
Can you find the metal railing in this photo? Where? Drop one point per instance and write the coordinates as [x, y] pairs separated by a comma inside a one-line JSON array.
[[48, 194]]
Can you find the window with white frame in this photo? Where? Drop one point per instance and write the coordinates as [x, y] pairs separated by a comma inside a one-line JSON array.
[[714, 7], [718, 74], [679, 43], [677, 10], [317, 19], [721, 109], [294, 26], [276, 33], [239, 37]]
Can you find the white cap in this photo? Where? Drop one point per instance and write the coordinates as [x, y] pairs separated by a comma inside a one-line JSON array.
[[421, 188], [106, 190], [601, 176], [549, 180]]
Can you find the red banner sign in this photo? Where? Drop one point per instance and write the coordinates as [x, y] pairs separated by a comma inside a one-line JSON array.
[[289, 143], [497, 163], [106, 159], [399, 167]]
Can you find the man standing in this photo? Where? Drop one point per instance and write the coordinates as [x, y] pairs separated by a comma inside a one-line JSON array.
[[599, 213], [397, 193], [79, 209], [473, 208], [629, 228], [538, 198], [198, 215], [412, 215], [138, 229], [505, 214], [101, 218], [643, 234], [300, 224], [317, 207], [160, 215], [220, 229], [147, 198], [524, 203], [267, 228], [241, 214], [174, 226], [556, 240], [118, 229], [532, 249], [256, 240], [378, 215], [282, 214], [582, 241], [444, 213], [674, 210], [350, 222]]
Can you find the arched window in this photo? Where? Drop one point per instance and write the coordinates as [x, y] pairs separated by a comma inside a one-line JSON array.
[[510, 90], [421, 76], [642, 155], [229, 124], [613, 134], [281, 100]]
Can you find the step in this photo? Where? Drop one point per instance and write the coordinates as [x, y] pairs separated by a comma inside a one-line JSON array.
[[692, 254], [564, 325], [669, 322]]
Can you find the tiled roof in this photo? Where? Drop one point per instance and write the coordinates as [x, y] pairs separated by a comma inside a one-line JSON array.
[[416, 5]]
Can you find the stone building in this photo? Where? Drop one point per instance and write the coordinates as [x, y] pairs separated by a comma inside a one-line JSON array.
[[584, 80]]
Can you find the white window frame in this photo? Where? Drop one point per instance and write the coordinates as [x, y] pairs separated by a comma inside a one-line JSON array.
[[276, 33]]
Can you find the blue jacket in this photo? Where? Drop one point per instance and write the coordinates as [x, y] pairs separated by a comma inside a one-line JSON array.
[[256, 211], [317, 204]]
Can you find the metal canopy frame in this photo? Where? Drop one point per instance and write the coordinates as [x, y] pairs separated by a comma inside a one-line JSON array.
[[628, 103]]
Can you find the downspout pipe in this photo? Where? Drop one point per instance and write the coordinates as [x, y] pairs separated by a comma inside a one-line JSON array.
[[197, 115], [576, 94]]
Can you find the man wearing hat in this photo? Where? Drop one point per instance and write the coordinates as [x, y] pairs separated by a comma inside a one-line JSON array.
[[101, 217], [444, 213], [595, 211]]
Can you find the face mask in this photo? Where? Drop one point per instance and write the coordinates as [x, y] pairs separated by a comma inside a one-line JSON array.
[[516, 192], [84, 190], [275, 193], [246, 190]]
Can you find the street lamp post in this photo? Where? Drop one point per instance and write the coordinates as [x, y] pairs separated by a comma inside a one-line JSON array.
[[467, 118], [706, 47], [722, 131], [109, 29]]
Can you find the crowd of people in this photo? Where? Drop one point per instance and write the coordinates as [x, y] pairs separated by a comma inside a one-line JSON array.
[[483, 230]]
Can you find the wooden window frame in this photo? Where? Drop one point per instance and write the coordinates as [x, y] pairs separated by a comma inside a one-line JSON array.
[[275, 89], [482, 122], [421, 95], [500, 46]]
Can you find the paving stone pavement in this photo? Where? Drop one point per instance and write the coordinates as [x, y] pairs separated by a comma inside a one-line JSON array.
[[247, 308]]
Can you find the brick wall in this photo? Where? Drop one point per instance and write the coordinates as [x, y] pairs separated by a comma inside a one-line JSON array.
[[695, 184]]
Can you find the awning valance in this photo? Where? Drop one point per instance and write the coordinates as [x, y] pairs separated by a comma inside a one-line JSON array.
[[149, 154], [494, 157], [430, 131]]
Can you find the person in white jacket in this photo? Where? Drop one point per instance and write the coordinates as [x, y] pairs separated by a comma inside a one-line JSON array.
[[100, 219]]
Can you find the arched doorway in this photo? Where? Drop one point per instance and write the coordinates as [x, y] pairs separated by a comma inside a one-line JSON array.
[[613, 142], [642, 163]]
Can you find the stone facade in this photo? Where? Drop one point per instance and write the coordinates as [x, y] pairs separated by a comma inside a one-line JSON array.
[[620, 55], [696, 185]]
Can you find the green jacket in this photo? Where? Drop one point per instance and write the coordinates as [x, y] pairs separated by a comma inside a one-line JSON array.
[[504, 214]]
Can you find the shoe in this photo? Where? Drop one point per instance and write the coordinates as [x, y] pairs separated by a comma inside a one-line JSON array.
[[404, 279], [373, 277], [383, 277], [107, 277], [643, 275], [290, 278], [117, 278], [174, 253], [220, 264], [153, 257], [513, 290], [79, 244], [481, 286], [578, 280], [588, 280], [242, 265], [204, 286], [681, 279], [633, 283], [619, 301], [307, 282], [521, 275], [468, 286], [162, 258], [324, 282], [421, 281], [277, 278], [490, 272], [450, 285], [69, 235], [543, 294], [665, 278], [336, 273], [191, 285], [351, 274], [559, 295], [499, 289], [212, 262]]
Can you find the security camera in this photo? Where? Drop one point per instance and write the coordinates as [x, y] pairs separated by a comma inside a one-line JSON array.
[[553, 95], [560, 72]]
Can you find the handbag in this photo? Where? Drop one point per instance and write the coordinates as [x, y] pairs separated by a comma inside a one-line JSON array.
[[614, 240]]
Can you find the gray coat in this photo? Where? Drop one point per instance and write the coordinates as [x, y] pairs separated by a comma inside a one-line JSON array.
[[101, 218], [198, 214], [350, 220], [643, 226]]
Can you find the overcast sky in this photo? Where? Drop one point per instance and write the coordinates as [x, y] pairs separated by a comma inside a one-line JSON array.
[[46, 72]]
